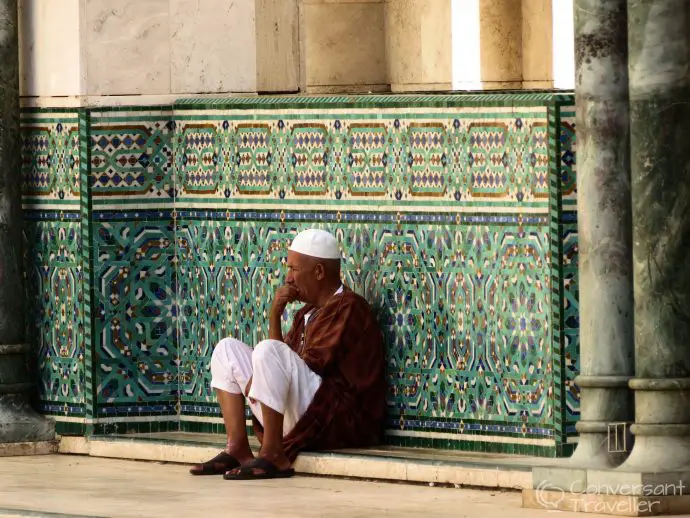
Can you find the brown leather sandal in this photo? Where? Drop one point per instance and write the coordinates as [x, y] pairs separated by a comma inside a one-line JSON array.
[[218, 465], [247, 472]]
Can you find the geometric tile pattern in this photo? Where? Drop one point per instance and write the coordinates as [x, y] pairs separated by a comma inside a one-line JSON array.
[[54, 283], [134, 265], [569, 304], [134, 160], [50, 158], [135, 335], [53, 262], [453, 159], [445, 215]]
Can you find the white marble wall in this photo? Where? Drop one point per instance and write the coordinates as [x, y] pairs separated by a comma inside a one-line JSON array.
[[170, 46], [127, 47], [146, 51], [95, 48], [50, 48], [212, 46], [343, 45]]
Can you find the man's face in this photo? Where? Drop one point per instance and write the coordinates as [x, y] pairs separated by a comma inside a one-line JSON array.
[[302, 274]]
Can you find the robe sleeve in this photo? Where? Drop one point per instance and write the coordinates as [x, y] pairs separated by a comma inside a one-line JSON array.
[[294, 333], [325, 338]]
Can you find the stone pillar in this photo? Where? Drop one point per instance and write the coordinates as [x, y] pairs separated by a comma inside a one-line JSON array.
[[277, 46], [604, 241], [537, 44], [516, 41], [18, 423], [604, 228], [659, 47], [419, 45], [342, 46], [500, 41]]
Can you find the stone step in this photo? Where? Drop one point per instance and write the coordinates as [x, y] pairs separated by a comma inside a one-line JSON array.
[[413, 465]]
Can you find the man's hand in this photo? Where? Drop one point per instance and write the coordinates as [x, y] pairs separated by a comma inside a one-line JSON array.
[[247, 389], [284, 295]]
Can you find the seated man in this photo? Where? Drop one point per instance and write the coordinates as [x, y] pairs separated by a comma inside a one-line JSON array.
[[322, 386]]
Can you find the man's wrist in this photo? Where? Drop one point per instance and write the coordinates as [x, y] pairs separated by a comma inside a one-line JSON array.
[[277, 311]]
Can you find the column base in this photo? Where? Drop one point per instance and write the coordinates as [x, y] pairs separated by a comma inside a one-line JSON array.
[[18, 449], [19, 423], [571, 475]]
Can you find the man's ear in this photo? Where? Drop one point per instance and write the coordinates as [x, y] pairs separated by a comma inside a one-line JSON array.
[[320, 271]]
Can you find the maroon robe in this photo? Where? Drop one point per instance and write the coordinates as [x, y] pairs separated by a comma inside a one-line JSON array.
[[344, 346]]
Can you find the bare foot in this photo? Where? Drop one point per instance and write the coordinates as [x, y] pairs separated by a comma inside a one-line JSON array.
[[278, 459], [241, 451]]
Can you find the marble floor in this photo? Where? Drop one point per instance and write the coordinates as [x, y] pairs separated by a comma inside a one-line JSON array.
[[79, 486]]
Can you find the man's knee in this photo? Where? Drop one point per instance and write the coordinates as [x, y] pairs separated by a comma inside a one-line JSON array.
[[269, 352], [223, 352]]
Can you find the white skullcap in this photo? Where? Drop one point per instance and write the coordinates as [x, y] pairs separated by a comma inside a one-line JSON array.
[[316, 243]]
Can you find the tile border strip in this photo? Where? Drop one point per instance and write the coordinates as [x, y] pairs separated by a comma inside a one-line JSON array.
[[556, 227], [87, 264], [507, 98]]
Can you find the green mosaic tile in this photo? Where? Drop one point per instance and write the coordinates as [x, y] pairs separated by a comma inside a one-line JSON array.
[[50, 159], [457, 225], [66, 429], [492, 159], [55, 310], [502, 99], [135, 427], [135, 336], [53, 267], [569, 304], [133, 160]]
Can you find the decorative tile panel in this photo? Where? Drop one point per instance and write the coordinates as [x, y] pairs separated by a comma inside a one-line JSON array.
[[253, 155], [428, 159], [54, 276], [53, 263], [50, 159], [309, 154], [456, 215], [132, 160], [136, 359], [199, 163]]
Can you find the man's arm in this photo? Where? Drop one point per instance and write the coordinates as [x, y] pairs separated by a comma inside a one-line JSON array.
[[284, 295], [324, 340]]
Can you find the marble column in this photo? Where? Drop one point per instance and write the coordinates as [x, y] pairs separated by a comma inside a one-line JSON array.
[[605, 276], [604, 228], [537, 44], [18, 422], [500, 41], [342, 46], [419, 45], [659, 48]]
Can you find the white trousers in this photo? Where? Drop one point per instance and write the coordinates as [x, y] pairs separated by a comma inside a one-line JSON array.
[[280, 378]]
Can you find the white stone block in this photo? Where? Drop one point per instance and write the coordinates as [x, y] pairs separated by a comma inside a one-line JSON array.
[[49, 48], [213, 46], [127, 47]]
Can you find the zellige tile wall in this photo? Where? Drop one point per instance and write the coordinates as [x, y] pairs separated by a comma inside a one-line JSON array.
[[457, 217]]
